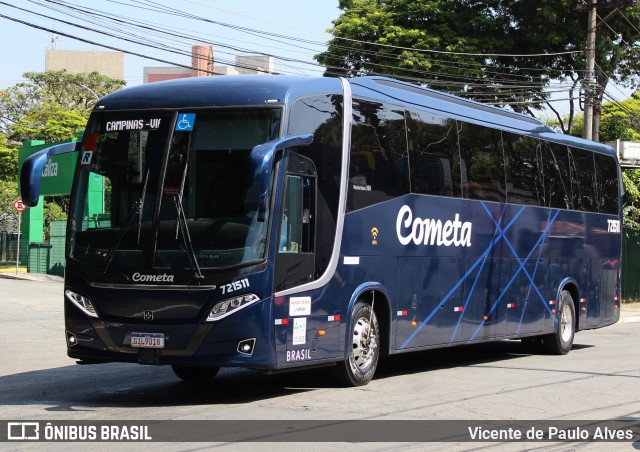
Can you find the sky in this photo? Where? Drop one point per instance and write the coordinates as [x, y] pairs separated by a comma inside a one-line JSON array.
[[293, 31], [300, 27]]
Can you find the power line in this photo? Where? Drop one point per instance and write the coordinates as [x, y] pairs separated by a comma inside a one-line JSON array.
[[425, 74], [453, 80]]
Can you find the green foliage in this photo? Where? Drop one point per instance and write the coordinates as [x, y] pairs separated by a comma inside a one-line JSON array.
[[621, 120], [409, 25], [480, 49], [54, 210], [631, 210], [50, 106], [631, 220], [48, 122], [631, 182], [8, 159], [8, 194], [52, 91]]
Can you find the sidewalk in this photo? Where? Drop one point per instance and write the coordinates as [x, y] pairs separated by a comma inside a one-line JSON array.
[[629, 312], [22, 274]]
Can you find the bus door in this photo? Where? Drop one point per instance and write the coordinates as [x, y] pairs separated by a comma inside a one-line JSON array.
[[307, 334]]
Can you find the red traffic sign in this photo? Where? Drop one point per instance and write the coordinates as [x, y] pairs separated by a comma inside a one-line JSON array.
[[17, 204]]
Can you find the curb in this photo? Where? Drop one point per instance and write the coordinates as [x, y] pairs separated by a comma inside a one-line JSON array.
[[10, 276], [630, 319], [42, 278]]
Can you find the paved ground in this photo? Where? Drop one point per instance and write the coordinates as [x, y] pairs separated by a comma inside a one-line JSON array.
[[484, 382]]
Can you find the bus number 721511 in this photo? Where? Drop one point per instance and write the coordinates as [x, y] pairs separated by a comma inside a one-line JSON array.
[[236, 285]]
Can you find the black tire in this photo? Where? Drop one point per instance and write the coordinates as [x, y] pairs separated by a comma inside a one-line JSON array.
[[560, 342], [364, 347], [195, 374]]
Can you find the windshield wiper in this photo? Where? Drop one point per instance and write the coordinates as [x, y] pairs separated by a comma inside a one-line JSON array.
[[136, 209], [184, 228]]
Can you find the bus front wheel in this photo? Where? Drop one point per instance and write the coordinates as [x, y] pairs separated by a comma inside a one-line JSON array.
[[195, 374], [364, 347], [560, 342]]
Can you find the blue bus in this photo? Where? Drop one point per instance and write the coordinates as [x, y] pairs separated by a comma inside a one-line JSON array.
[[276, 223]]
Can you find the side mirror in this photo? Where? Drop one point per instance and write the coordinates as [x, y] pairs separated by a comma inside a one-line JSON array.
[[32, 167], [261, 166]]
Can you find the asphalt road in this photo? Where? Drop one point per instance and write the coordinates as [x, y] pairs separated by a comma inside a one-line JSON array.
[[599, 379]]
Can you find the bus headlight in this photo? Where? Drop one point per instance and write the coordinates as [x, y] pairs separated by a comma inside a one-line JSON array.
[[83, 303], [226, 307]]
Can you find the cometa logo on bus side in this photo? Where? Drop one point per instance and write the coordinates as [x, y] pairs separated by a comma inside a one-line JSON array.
[[432, 231]]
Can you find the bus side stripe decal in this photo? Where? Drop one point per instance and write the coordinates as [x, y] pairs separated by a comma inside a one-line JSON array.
[[475, 282], [464, 277], [515, 275], [535, 270], [498, 235]]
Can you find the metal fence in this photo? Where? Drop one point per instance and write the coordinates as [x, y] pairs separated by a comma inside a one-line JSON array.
[[631, 266], [8, 246]]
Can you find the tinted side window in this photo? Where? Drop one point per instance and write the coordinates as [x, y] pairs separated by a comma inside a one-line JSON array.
[[557, 179], [435, 160], [481, 154], [523, 168], [607, 177], [378, 165], [584, 181]]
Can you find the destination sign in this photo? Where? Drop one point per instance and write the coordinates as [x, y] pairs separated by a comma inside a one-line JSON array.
[[132, 124]]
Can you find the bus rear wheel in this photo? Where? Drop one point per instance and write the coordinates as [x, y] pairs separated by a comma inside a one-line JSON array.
[[195, 374], [364, 347], [560, 342]]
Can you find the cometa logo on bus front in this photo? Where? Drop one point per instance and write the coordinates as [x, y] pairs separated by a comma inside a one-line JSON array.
[[432, 231], [138, 277]]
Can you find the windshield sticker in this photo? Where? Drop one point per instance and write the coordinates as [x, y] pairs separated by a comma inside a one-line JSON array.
[[132, 124], [299, 331], [86, 158], [185, 122]]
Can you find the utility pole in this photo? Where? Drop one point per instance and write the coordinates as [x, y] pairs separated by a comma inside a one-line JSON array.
[[590, 78], [590, 83]]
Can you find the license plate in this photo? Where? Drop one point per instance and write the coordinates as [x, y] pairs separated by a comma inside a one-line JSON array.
[[147, 340]]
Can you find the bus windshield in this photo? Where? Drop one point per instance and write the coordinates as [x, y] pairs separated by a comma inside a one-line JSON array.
[[166, 190]]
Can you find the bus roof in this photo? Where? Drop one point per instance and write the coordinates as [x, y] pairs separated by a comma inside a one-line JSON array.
[[217, 91]]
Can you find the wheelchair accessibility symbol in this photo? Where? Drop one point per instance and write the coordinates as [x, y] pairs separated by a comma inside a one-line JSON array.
[[185, 122]]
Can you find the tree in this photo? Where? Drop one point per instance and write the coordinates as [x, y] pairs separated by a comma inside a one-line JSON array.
[[621, 120], [50, 106], [51, 92], [8, 194], [505, 52], [8, 159], [53, 212], [48, 122]]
